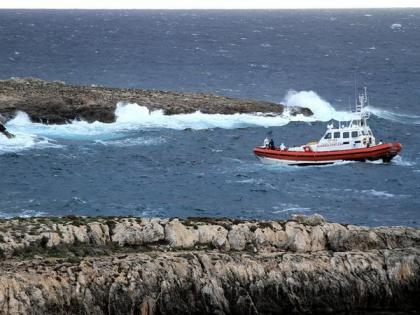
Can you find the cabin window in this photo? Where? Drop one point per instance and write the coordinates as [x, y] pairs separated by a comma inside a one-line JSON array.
[[354, 134], [346, 142], [346, 135], [370, 133], [328, 136], [358, 141], [336, 135]]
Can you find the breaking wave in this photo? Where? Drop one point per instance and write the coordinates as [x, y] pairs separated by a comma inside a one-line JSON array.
[[23, 140], [322, 110], [133, 117]]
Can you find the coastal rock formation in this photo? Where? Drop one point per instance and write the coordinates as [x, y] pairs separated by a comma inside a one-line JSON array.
[[113, 265], [57, 102]]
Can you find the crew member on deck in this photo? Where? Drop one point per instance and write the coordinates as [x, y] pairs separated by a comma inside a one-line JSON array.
[[271, 144], [266, 142]]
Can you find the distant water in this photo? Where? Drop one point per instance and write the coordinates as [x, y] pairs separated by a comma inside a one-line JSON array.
[[202, 165]]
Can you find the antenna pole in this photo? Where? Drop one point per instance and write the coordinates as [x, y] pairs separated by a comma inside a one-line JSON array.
[[355, 89]]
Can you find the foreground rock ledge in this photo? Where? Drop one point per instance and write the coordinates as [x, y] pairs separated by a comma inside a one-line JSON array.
[[57, 102], [113, 265]]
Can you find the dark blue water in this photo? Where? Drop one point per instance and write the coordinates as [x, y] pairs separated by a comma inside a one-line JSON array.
[[208, 169]]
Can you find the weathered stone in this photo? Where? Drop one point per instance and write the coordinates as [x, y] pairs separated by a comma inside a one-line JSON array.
[[315, 219], [277, 267], [343, 239], [318, 238], [132, 233], [211, 282], [98, 233], [180, 236], [271, 237], [240, 236], [215, 235], [298, 237]]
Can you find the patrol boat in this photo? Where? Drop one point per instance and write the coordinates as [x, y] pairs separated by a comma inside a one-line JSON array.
[[351, 140]]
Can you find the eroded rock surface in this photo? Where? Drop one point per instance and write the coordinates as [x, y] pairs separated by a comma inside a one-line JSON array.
[[57, 102], [77, 265]]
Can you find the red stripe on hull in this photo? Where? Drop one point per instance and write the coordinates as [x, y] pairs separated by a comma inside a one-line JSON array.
[[383, 151]]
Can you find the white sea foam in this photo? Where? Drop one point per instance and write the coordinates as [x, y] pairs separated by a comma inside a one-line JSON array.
[[396, 26], [397, 117], [77, 129], [130, 117], [23, 139], [290, 208], [376, 193], [135, 116], [133, 141], [23, 214], [398, 160], [323, 110]]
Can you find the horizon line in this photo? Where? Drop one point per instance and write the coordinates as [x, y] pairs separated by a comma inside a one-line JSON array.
[[232, 9]]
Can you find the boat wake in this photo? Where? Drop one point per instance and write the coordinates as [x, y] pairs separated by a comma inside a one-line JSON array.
[[398, 160]]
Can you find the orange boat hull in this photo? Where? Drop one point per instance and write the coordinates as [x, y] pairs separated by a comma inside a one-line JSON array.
[[385, 151]]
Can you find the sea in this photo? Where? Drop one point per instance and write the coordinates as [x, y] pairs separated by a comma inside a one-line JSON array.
[[152, 165]]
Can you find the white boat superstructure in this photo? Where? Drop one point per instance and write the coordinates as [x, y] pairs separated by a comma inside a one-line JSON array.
[[350, 140], [345, 135]]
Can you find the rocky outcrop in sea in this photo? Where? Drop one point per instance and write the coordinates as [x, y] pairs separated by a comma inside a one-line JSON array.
[[58, 103], [129, 265]]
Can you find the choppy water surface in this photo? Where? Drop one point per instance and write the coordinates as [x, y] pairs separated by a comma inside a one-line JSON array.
[[202, 165]]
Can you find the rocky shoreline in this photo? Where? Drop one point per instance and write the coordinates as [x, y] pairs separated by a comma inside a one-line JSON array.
[[123, 265], [58, 103]]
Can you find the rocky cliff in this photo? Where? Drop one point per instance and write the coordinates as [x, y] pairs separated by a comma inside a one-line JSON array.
[[77, 265], [57, 102]]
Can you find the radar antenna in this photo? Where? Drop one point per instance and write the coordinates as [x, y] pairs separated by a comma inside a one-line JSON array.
[[363, 102]]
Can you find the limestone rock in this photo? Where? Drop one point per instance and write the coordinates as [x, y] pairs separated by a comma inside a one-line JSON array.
[[271, 236], [315, 219], [132, 233], [240, 236], [179, 235], [215, 235], [298, 237], [287, 267], [216, 283]]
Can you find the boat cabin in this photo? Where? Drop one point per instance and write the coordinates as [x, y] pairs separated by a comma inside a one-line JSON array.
[[345, 137], [352, 134]]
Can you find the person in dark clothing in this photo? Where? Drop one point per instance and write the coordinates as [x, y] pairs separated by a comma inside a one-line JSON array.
[[4, 131], [271, 144]]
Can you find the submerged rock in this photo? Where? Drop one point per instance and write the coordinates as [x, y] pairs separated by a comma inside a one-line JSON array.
[[87, 265], [58, 103]]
